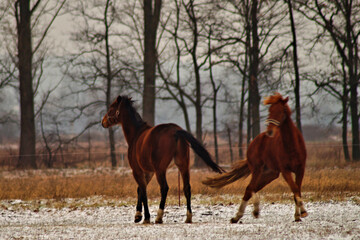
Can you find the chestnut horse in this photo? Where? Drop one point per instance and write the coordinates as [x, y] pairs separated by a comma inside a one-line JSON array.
[[280, 149], [151, 149]]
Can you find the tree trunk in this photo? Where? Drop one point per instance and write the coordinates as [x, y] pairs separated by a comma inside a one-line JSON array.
[[215, 131], [109, 79], [215, 92], [89, 148], [198, 111], [27, 158], [241, 117], [344, 125], [242, 97], [254, 95], [112, 148], [151, 22], [248, 57], [296, 68], [248, 122], [353, 81], [230, 144], [354, 122], [49, 160], [186, 114], [197, 102]]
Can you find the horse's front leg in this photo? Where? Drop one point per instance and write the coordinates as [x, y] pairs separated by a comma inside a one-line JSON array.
[[299, 207], [138, 214]]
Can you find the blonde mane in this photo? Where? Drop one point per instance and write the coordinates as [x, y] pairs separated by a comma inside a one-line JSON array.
[[273, 99]]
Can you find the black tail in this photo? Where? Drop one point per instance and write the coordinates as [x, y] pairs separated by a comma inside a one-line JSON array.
[[199, 150], [239, 170]]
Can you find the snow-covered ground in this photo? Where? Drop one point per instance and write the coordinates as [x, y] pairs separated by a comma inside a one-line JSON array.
[[331, 220]]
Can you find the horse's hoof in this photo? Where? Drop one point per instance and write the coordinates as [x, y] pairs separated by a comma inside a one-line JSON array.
[[297, 219], [146, 221], [234, 220], [138, 216], [304, 214], [188, 217], [160, 215], [158, 221], [137, 219], [256, 214]]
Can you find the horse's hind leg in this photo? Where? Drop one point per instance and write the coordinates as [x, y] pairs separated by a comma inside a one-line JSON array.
[[138, 214], [182, 161], [142, 180], [164, 188], [267, 177], [187, 192], [249, 192]]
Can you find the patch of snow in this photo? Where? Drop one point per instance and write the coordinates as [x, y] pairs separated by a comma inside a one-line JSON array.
[[332, 220]]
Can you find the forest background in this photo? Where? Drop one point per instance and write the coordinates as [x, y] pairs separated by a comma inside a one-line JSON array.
[[204, 65]]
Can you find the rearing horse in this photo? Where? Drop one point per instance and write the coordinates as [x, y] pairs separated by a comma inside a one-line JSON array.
[[151, 149], [280, 149]]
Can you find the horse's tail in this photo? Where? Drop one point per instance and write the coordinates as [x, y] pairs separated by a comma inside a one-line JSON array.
[[239, 170], [199, 150]]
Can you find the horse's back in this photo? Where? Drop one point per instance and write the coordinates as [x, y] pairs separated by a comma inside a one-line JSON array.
[[157, 146], [161, 134]]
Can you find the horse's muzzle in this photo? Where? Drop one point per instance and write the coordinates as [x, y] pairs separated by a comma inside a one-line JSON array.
[[104, 122]]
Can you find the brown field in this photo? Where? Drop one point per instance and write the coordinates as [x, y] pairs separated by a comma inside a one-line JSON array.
[[327, 177]]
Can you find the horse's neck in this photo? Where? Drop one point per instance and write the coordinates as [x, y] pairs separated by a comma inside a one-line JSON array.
[[289, 133], [132, 130]]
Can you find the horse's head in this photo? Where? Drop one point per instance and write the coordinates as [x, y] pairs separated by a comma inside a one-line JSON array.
[[278, 112], [112, 117]]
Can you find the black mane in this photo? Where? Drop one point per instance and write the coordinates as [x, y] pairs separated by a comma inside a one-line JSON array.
[[134, 115]]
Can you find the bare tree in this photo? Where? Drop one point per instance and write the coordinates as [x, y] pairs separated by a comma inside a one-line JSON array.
[[7, 68], [215, 89], [24, 11], [230, 35], [188, 32], [99, 66], [254, 95], [340, 20], [174, 86], [193, 25], [27, 152], [152, 12], [248, 36], [296, 66], [335, 84]]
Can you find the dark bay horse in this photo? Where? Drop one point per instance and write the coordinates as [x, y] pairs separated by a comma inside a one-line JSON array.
[[280, 149], [151, 149]]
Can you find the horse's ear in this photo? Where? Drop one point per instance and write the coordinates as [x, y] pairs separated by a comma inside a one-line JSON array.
[[118, 99], [285, 100]]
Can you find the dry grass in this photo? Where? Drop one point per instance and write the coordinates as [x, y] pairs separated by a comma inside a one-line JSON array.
[[327, 177], [324, 184]]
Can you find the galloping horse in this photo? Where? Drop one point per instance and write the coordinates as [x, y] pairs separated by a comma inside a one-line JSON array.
[[151, 149], [280, 149]]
